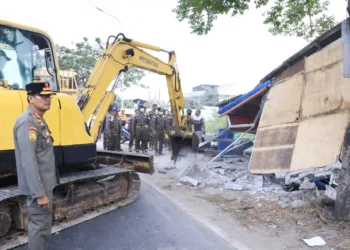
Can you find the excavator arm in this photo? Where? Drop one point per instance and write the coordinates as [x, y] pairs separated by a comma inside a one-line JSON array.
[[120, 56]]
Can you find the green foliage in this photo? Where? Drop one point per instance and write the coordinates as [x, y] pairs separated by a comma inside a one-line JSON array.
[[210, 97], [82, 60], [301, 18], [191, 104], [128, 103], [212, 126]]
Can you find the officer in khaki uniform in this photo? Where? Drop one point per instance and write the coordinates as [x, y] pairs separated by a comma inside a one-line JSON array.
[[36, 169], [159, 127], [107, 140], [152, 114], [115, 129], [140, 129]]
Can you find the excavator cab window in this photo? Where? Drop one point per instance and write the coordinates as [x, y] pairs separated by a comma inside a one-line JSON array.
[[23, 54]]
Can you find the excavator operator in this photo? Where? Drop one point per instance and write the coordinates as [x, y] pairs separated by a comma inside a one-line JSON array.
[[140, 125], [3, 60]]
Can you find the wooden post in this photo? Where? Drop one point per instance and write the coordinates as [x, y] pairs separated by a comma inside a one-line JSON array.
[[342, 203]]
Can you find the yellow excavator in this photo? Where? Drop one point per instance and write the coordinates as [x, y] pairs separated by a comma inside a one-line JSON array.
[[68, 82], [89, 177]]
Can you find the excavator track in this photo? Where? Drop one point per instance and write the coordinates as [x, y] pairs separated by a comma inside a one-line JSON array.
[[80, 196]]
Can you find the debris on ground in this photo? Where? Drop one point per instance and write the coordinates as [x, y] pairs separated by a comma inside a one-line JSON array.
[[290, 189], [189, 181], [315, 241]]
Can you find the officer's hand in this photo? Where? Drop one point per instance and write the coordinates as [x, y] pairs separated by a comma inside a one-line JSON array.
[[43, 201]]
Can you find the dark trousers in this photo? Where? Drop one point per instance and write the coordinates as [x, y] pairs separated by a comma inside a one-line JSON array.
[[159, 141], [107, 140], [141, 136], [39, 223], [151, 141], [115, 141]]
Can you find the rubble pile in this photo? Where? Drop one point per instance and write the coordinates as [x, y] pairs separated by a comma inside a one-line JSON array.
[[294, 189]]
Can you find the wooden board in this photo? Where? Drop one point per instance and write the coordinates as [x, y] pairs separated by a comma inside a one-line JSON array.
[[273, 149], [322, 91], [276, 137], [319, 140], [270, 161], [327, 56], [283, 102]]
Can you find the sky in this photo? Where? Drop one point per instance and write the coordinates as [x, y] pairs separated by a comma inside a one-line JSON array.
[[238, 51]]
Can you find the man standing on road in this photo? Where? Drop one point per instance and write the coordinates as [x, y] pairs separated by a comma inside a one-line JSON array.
[[189, 121], [115, 129], [36, 166], [132, 137], [140, 130], [106, 130], [170, 126], [158, 129], [199, 124], [152, 113]]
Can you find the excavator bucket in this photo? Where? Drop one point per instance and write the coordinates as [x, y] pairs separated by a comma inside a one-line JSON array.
[[183, 147]]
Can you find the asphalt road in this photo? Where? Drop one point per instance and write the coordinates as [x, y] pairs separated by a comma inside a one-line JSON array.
[[152, 222]]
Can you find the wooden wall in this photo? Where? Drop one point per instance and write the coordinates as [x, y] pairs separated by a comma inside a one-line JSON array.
[[305, 115]]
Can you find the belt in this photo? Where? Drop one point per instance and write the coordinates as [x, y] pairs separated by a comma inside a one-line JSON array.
[[142, 126]]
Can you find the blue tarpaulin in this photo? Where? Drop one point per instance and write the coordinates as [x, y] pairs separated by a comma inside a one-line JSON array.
[[244, 97]]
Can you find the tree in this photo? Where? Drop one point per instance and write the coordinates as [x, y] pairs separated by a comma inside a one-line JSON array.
[[82, 60], [213, 125], [301, 18], [210, 97], [190, 103]]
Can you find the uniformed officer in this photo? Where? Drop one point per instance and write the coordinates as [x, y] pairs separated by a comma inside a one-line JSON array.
[[152, 113], [36, 167], [170, 126], [189, 121], [115, 129], [132, 137], [107, 135], [140, 126], [159, 128]]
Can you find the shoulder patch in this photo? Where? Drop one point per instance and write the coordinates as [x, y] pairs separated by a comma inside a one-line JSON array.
[[33, 128], [32, 135]]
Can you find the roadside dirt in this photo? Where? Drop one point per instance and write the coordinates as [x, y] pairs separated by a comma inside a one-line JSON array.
[[244, 218]]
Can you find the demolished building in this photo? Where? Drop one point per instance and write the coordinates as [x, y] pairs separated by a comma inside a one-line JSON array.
[[299, 112]]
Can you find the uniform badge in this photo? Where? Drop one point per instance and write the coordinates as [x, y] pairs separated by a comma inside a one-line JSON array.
[[32, 135]]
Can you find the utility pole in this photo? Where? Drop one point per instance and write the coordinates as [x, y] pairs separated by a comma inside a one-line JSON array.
[[122, 90], [342, 202]]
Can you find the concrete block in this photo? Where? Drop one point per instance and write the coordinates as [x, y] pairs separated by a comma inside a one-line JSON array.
[[189, 181]]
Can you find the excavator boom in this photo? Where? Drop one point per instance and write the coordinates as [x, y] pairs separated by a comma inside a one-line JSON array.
[[122, 55]]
